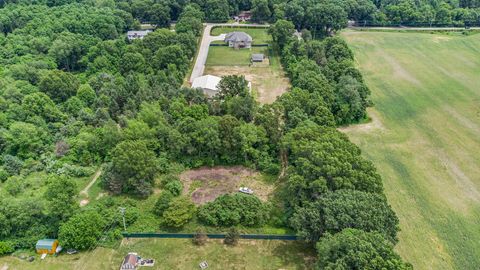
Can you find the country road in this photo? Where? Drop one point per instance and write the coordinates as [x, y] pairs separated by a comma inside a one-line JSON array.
[[202, 55], [406, 28]]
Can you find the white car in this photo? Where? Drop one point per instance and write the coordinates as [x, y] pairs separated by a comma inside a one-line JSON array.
[[245, 190]]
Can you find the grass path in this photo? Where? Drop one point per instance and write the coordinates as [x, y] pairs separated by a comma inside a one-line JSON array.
[[425, 140]]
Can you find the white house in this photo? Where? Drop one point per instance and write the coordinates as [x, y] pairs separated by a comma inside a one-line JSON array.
[[131, 35], [208, 83]]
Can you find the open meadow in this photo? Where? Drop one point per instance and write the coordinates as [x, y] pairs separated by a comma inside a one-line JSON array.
[[424, 138], [179, 254]]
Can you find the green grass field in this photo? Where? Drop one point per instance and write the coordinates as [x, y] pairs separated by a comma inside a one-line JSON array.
[[226, 56], [259, 35], [424, 139], [180, 254]]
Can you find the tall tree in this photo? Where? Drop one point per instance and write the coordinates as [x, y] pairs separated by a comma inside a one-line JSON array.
[[356, 249]]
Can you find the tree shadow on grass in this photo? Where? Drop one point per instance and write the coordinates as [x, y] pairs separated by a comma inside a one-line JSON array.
[[299, 254]]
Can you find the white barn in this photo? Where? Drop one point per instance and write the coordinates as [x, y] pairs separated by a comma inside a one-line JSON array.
[[208, 83], [131, 35]]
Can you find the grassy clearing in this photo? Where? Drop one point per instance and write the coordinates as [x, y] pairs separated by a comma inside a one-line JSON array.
[[226, 56], [259, 35], [181, 254], [424, 139]]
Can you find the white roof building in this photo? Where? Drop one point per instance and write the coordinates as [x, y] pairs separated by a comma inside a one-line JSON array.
[[208, 83], [131, 35]]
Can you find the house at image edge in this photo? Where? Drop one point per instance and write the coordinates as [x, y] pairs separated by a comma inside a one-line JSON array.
[[130, 262]]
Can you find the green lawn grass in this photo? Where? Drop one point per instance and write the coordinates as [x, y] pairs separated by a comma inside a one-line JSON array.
[[425, 140], [259, 35], [181, 254], [226, 56]]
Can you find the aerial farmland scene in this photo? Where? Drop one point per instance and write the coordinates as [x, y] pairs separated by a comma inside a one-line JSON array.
[[240, 134]]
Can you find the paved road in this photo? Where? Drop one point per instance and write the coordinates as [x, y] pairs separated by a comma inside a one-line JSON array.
[[415, 28], [205, 44]]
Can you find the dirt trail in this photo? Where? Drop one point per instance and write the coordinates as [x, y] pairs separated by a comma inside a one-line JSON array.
[[4, 267], [85, 190]]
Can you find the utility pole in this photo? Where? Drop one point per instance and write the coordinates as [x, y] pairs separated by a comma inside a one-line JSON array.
[[122, 210]]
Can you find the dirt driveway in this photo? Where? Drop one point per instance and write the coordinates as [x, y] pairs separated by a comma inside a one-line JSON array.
[[267, 82]]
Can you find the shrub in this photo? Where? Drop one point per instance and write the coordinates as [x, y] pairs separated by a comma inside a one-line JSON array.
[[231, 238], [162, 202], [6, 248], [180, 210], [175, 187], [81, 231], [13, 165], [3, 175], [200, 238], [231, 210]]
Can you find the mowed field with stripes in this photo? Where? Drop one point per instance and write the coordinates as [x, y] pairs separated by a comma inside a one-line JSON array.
[[424, 138]]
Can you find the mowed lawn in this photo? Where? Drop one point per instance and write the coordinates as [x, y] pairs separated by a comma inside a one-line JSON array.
[[425, 140], [180, 254], [226, 56]]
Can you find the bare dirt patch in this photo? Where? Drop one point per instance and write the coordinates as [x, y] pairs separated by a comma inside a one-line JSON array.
[[267, 82], [84, 202], [206, 184]]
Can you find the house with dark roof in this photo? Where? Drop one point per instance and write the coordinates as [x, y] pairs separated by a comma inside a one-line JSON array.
[[238, 40]]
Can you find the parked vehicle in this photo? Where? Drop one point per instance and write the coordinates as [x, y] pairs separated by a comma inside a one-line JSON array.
[[245, 190], [72, 251]]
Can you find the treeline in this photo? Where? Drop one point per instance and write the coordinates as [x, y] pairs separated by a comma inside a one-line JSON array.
[[334, 197], [317, 16]]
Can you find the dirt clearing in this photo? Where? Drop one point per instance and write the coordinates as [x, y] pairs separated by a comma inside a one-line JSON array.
[[206, 184], [266, 82]]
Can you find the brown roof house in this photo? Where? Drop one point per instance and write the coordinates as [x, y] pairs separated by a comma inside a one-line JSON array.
[[130, 262], [238, 40]]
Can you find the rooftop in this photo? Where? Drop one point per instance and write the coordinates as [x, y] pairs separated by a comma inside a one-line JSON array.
[[238, 36], [206, 82], [257, 57]]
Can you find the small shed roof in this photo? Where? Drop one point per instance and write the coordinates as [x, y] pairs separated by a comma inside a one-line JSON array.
[[257, 57], [238, 37], [206, 82], [45, 244]]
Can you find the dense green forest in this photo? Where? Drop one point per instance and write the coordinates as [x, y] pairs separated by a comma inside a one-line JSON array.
[[76, 95]]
